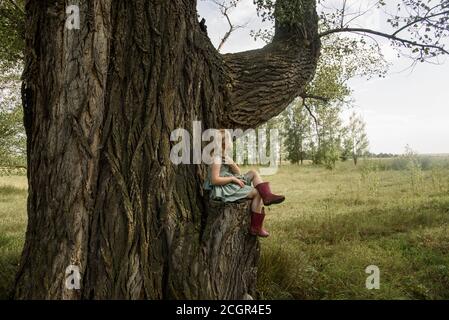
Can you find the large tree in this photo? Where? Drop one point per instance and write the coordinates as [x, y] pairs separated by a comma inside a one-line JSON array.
[[100, 104]]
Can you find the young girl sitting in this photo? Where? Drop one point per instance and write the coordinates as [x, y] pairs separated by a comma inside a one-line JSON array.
[[226, 183]]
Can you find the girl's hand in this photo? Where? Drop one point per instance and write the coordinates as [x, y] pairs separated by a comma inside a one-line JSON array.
[[238, 182]]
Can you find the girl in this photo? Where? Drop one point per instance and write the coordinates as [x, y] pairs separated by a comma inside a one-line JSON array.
[[226, 183]]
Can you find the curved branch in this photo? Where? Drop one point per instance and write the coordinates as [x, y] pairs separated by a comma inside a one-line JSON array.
[[262, 83], [384, 35], [419, 20], [314, 97]]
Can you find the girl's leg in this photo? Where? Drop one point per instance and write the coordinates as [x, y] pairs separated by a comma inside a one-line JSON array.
[[257, 216], [252, 194], [256, 203], [263, 188], [255, 177]]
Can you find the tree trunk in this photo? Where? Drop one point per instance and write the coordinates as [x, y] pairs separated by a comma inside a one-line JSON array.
[[100, 104], [229, 253]]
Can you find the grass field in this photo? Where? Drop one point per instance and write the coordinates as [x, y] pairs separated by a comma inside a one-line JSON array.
[[12, 228], [333, 225], [336, 223]]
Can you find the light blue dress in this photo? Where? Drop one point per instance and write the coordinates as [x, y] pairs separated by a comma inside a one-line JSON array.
[[230, 192]]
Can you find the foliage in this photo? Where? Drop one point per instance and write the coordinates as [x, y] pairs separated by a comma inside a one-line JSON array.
[[12, 134], [324, 145], [11, 34], [356, 140], [426, 22], [318, 137], [285, 12], [329, 136], [419, 28], [297, 131]]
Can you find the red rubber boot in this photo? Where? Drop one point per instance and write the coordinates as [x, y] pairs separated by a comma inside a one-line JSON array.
[[268, 197], [256, 228]]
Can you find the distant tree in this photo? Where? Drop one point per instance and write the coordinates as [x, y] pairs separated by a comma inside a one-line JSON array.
[[12, 37], [356, 139], [276, 123], [297, 131], [329, 136], [12, 136], [12, 132], [326, 96]]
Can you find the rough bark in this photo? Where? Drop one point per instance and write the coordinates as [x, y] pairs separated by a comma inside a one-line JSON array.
[[100, 104], [225, 267]]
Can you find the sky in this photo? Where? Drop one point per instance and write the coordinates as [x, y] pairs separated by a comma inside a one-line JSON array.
[[408, 107]]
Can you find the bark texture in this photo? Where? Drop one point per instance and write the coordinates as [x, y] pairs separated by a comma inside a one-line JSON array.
[[225, 267], [100, 104]]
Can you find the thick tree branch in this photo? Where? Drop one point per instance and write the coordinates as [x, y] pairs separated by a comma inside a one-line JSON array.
[[262, 83], [315, 97]]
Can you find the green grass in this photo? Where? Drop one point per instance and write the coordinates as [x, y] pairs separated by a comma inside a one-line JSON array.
[[12, 228], [331, 227], [336, 223]]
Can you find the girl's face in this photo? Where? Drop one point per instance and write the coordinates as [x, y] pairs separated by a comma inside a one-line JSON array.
[[226, 141]]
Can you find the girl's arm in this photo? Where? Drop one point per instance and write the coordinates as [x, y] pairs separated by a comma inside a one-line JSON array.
[[221, 181]]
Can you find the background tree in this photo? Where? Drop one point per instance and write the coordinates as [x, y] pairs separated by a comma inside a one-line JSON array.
[[328, 94], [12, 132], [11, 34], [298, 132], [275, 123], [356, 139], [226, 7], [12, 135], [329, 137], [418, 29]]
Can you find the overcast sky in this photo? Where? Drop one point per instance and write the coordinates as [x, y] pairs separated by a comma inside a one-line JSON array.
[[408, 107]]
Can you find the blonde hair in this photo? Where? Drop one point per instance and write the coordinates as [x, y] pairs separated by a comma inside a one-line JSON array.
[[223, 142], [226, 140]]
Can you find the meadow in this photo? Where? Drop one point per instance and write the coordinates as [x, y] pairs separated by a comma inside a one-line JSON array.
[[13, 219], [391, 213]]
